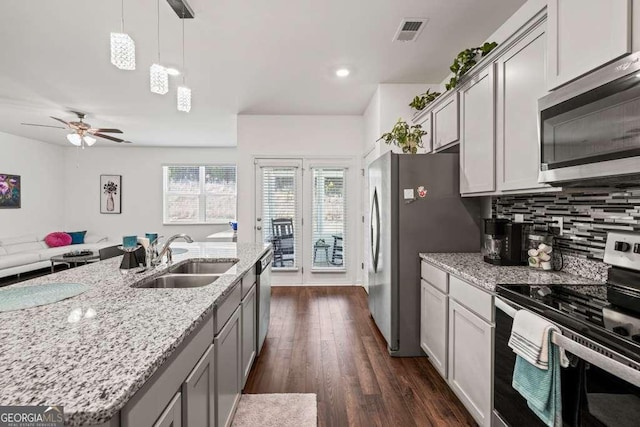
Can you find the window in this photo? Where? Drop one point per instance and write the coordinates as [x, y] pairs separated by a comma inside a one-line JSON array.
[[329, 218], [199, 194]]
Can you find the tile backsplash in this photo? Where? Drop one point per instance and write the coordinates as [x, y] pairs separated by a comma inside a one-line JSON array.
[[588, 215]]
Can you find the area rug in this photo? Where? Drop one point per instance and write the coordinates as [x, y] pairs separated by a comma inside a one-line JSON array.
[[277, 410]]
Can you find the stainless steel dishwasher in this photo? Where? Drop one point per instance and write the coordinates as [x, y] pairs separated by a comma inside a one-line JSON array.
[[263, 272]]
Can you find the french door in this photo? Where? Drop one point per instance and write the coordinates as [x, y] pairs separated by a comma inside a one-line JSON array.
[[278, 218]]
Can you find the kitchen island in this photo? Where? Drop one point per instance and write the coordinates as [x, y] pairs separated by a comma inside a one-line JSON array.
[[93, 352]]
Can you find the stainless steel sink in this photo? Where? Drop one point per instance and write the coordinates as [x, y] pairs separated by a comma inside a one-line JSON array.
[[180, 281], [203, 267]]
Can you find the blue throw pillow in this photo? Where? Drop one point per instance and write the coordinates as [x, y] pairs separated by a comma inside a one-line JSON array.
[[77, 237]]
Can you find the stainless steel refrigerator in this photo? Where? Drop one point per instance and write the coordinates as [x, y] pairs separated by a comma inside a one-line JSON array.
[[415, 207]]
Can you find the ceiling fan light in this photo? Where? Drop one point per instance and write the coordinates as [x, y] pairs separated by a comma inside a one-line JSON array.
[[75, 139], [158, 79], [89, 140], [184, 99], [123, 51]]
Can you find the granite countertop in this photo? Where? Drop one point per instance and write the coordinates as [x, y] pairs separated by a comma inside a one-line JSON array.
[[472, 268], [94, 365]]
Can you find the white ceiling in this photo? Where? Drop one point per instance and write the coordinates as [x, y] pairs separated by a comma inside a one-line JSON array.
[[247, 57]]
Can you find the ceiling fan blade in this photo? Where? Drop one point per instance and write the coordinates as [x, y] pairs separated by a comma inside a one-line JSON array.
[[128, 142], [100, 135], [60, 120], [105, 130], [44, 126]]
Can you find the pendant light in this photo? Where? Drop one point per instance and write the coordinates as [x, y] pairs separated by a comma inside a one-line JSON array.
[[158, 76], [123, 49], [184, 93]]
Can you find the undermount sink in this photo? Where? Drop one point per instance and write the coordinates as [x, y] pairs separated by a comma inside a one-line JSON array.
[[180, 281], [203, 267]]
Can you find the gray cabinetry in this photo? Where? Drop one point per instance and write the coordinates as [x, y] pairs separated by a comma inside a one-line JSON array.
[[477, 133], [228, 374], [249, 324], [198, 393], [172, 415]]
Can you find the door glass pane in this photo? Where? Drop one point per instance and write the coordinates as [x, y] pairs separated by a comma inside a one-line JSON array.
[[328, 218], [279, 214]]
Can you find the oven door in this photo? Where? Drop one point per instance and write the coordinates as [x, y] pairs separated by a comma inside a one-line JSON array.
[[592, 396], [509, 407], [591, 127]]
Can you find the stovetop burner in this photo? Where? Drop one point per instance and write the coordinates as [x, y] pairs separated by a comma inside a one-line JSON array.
[[583, 309]]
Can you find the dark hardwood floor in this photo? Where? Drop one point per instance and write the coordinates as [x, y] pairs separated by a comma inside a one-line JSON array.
[[322, 340]]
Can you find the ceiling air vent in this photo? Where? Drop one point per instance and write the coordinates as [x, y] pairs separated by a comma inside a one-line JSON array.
[[410, 29]]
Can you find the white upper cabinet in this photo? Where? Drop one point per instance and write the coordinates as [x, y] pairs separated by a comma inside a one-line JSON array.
[[425, 122], [477, 133], [521, 82], [445, 120], [585, 34]]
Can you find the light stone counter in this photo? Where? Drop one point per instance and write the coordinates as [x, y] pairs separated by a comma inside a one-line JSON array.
[[94, 365], [472, 268]]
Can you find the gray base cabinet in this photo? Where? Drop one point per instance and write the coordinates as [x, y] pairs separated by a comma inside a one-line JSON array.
[[249, 323], [198, 397], [200, 384], [228, 373], [172, 415]]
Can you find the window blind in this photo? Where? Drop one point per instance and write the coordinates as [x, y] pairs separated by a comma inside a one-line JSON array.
[[199, 194], [279, 212], [328, 218]]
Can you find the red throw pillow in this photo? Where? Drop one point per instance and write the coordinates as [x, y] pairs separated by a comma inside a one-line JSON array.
[[57, 238]]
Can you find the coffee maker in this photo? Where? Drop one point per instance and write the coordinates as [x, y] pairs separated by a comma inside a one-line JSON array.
[[504, 242]]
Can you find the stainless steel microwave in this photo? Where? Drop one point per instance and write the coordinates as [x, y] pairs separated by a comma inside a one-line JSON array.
[[590, 128]]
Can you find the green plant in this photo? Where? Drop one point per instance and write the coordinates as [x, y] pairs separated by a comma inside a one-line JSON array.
[[409, 138], [466, 60], [421, 101]]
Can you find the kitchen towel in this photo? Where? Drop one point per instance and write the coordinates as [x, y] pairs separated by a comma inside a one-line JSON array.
[[536, 375], [530, 338]]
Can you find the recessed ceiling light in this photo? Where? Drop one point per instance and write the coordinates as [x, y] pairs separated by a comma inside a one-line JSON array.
[[173, 72], [342, 72]]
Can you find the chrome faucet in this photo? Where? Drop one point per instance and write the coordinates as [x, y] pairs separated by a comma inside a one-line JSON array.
[[166, 249]]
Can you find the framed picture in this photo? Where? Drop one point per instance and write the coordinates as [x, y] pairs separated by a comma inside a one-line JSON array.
[[110, 194], [9, 191]]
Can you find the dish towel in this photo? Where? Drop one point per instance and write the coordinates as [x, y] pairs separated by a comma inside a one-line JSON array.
[[536, 375]]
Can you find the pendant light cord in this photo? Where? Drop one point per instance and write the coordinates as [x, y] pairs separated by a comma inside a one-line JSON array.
[[158, 10], [122, 16], [184, 77]]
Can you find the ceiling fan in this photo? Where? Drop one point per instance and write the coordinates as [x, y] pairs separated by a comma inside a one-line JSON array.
[[81, 132]]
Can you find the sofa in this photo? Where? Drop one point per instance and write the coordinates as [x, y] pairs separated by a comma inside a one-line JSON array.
[[27, 253]]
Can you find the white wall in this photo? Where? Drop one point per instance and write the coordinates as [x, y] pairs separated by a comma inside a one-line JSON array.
[[307, 137], [389, 103], [42, 170], [141, 170]]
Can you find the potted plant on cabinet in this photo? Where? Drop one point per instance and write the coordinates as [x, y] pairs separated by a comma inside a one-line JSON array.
[[420, 102], [466, 60], [408, 138]]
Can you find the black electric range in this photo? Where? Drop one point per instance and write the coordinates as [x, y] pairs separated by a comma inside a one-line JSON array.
[[584, 309]]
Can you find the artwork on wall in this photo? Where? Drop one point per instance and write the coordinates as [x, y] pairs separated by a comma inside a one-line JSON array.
[[9, 191], [110, 194]]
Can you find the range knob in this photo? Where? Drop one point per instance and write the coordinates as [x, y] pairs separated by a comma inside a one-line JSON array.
[[636, 248], [621, 330], [622, 246]]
